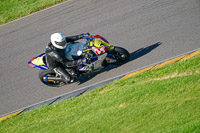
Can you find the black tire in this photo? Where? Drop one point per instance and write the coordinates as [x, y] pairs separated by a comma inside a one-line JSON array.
[[122, 55], [45, 74]]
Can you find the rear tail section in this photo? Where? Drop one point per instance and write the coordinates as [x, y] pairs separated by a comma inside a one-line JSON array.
[[38, 62]]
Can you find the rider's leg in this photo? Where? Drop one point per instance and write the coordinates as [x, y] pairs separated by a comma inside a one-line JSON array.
[[64, 74]]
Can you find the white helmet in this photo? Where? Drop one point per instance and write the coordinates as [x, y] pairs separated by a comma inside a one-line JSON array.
[[58, 40]]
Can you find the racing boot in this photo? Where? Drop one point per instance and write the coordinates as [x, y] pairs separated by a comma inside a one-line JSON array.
[[64, 75]]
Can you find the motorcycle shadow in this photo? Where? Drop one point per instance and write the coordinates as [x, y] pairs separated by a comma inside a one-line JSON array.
[[133, 56]]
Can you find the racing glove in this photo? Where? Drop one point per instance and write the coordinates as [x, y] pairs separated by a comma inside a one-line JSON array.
[[81, 36]]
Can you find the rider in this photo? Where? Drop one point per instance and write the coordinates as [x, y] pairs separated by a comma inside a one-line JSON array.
[[55, 54]]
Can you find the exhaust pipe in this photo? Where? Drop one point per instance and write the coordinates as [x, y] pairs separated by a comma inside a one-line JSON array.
[[51, 79]]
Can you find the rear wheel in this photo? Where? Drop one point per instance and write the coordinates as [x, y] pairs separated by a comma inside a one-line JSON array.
[[121, 55], [50, 78]]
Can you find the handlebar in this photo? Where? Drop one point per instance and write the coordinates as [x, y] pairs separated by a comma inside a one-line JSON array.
[[88, 38]]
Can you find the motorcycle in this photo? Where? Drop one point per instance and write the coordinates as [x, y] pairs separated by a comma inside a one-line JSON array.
[[99, 56]]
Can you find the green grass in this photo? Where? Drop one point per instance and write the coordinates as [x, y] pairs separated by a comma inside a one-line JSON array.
[[13, 9], [165, 100]]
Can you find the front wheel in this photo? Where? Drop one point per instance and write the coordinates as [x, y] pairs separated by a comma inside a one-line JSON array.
[[50, 78], [121, 55]]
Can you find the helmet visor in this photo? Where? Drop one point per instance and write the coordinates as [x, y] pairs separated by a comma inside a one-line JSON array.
[[61, 43]]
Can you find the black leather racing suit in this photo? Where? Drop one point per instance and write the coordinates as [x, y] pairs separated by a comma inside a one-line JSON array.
[[56, 61]]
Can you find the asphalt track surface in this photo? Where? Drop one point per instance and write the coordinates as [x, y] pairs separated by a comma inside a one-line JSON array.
[[151, 30]]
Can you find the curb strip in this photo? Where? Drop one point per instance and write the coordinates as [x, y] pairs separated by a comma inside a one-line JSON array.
[[162, 64]]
